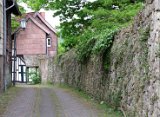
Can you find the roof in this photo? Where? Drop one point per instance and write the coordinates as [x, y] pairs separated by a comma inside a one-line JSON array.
[[38, 24], [15, 10], [31, 16], [44, 21]]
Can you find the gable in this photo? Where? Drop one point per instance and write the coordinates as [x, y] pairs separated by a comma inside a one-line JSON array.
[[31, 41], [32, 28], [38, 24], [44, 22]]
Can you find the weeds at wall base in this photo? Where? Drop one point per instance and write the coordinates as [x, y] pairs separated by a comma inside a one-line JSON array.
[[6, 97]]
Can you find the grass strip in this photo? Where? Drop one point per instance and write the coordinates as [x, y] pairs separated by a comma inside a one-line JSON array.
[[7, 97]]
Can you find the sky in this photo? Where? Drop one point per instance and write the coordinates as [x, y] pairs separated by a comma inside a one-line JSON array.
[[53, 21]]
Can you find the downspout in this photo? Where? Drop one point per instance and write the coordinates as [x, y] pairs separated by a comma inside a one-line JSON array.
[[4, 43], [14, 69], [47, 45], [15, 58], [5, 38]]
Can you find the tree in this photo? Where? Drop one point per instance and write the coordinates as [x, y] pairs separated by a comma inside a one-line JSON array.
[[77, 16], [15, 19], [73, 19]]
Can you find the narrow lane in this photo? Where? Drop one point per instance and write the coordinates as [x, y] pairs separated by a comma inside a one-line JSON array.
[[46, 105], [45, 101], [74, 107], [23, 104]]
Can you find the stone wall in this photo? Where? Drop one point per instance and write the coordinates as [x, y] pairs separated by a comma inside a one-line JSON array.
[[44, 63], [132, 81]]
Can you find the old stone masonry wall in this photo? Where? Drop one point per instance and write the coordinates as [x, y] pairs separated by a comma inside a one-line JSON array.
[[132, 82], [45, 65]]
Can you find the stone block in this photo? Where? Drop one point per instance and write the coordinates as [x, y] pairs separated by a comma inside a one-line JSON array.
[[156, 5]]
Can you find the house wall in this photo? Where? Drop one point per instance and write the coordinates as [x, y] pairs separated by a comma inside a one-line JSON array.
[[53, 49], [20, 70], [46, 63], [1, 27], [31, 41], [5, 71], [1, 45], [8, 57]]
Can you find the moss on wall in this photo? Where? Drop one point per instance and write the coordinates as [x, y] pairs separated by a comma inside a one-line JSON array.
[[126, 76]]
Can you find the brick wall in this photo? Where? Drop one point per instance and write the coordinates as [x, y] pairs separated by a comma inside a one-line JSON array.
[[31, 41], [52, 51]]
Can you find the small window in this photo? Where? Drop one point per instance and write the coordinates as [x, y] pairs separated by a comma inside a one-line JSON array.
[[48, 42]]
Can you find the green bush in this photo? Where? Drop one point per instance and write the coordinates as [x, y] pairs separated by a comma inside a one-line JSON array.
[[36, 80], [98, 38], [35, 77], [94, 43], [85, 46]]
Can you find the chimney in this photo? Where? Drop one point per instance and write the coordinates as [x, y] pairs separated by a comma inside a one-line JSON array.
[[42, 14]]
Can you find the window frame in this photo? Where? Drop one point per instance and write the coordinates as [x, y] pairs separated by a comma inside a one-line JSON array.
[[49, 44]]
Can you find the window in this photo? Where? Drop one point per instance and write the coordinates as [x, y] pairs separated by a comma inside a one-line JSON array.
[[48, 42]]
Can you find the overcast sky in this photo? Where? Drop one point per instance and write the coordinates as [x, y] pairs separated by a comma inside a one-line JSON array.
[[54, 21]]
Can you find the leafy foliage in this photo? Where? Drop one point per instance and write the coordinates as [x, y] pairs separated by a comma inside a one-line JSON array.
[[61, 49], [104, 41], [94, 43], [105, 23], [15, 19], [84, 48], [34, 76], [35, 4], [89, 26], [15, 23]]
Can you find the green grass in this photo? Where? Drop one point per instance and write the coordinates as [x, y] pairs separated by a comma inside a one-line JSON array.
[[6, 97], [107, 110]]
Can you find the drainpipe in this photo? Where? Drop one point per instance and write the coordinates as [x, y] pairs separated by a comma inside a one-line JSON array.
[[4, 43], [47, 45], [4, 40], [14, 69]]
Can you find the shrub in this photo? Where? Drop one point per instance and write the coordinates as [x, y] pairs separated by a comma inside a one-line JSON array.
[[34, 76]]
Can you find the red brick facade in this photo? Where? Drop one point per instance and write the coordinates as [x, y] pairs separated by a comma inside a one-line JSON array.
[[33, 39]]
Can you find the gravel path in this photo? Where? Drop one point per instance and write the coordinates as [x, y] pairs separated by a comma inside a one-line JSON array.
[[74, 107], [41, 101], [47, 105], [23, 104]]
